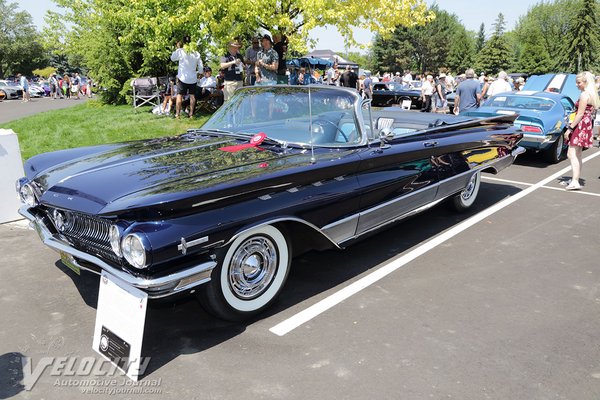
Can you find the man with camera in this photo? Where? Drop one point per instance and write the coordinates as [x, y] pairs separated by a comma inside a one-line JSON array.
[[233, 64], [187, 73]]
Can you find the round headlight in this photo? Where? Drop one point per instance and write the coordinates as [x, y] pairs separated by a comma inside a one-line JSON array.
[[28, 195], [60, 220], [115, 240], [134, 251]]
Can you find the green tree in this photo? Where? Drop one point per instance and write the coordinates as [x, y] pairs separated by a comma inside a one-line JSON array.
[[395, 53], [462, 51], [20, 48], [552, 20], [55, 37], [480, 41], [363, 60], [534, 57], [496, 54], [582, 41], [137, 37], [420, 48]]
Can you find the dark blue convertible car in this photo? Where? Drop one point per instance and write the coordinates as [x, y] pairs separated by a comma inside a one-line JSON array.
[[220, 211]]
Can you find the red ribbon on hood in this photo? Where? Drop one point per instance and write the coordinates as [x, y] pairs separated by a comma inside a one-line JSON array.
[[255, 141]]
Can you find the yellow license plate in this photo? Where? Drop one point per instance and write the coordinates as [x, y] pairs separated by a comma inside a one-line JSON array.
[[67, 260]]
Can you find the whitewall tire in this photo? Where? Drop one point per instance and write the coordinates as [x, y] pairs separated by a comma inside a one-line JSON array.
[[249, 276], [466, 198]]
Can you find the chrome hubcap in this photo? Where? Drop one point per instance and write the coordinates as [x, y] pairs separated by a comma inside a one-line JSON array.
[[468, 192], [253, 267]]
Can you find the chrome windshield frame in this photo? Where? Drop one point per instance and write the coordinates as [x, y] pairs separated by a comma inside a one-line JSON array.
[[357, 103]]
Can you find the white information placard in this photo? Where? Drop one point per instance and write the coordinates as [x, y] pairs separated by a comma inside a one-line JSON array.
[[120, 320]]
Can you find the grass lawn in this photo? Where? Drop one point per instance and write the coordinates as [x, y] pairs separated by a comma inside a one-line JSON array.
[[93, 123]]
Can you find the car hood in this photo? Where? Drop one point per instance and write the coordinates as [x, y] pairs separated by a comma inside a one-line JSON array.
[[139, 175]]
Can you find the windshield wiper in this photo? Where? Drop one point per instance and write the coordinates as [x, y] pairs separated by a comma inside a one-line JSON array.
[[217, 132], [244, 136]]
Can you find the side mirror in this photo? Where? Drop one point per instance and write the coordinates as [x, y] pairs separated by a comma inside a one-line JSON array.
[[386, 135]]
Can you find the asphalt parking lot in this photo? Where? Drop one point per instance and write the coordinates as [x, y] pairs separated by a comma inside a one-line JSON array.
[[498, 303], [15, 109]]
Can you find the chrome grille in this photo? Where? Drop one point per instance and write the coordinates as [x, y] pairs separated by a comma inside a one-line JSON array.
[[89, 234]]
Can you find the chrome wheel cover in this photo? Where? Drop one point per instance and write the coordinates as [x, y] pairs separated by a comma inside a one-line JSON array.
[[468, 191], [252, 267]]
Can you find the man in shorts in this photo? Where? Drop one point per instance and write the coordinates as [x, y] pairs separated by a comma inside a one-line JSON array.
[[75, 85], [187, 72], [25, 85]]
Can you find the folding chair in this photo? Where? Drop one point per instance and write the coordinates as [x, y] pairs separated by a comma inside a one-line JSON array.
[[210, 103], [145, 92]]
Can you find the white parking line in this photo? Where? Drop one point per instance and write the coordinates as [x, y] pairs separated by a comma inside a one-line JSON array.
[[571, 191], [332, 300], [489, 178]]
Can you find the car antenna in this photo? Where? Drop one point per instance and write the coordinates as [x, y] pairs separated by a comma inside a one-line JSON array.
[[312, 145]]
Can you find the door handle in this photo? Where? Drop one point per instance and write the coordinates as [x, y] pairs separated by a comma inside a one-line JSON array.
[[430, 144]]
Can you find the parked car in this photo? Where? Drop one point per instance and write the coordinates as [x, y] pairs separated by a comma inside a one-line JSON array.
[[36, 90], [276, 171], [393, 93], [542, 116], [44, 85], [10, 90], [557, 83]]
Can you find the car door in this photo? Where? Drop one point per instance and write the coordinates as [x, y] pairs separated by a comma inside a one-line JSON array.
[[395, 179], [458, 152]]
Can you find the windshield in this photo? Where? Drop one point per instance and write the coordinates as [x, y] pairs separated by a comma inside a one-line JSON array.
[[320, 116], [521, 102]]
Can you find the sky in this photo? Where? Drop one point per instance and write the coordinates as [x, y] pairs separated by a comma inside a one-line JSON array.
[[470, 13]]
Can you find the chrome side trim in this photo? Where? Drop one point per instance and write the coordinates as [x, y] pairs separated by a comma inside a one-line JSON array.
[[335, 226], [342, 229], [155, 287], [382, 213], [284, 219], [401, 217]]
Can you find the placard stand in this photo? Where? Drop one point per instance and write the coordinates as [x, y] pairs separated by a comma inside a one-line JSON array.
[[120, 320], [12, 169]]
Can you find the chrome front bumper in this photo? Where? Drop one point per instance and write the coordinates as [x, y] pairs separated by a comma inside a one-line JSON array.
[[155, 287]]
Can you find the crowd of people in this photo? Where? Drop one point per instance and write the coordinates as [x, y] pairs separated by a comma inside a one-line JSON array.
[[262, 63], [435, 88], [69, 87], [58, 87]]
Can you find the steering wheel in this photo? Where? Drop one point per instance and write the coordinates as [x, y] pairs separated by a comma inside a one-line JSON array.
[[337, 128]]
